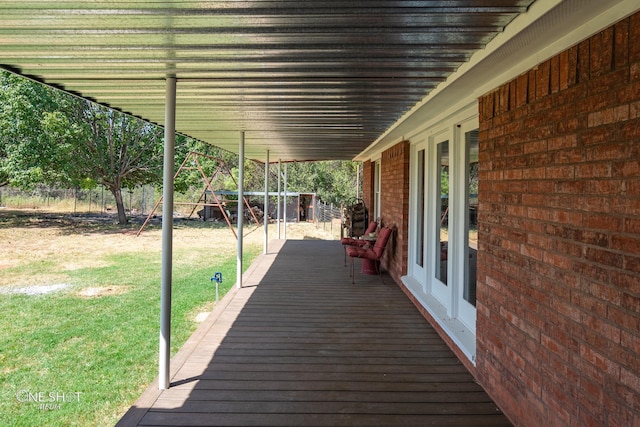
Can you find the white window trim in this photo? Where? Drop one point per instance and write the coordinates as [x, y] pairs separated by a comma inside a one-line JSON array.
[[377, 190]]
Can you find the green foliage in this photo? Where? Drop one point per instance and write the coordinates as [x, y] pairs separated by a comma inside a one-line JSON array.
[[52, 138], [88, 184], [332, 181], [444, 181], [57, 139], [24, 143], [191, 179]]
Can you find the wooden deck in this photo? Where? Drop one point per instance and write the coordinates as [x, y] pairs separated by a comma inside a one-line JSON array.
[[300, 345]]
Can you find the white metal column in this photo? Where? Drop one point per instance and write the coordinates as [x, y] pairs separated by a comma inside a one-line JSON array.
[[279, 214], [284, 207], [240, 210], [164, 380], [265, 210]]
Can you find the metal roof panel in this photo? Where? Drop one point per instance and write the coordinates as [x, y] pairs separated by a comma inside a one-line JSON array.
[[308, 80]]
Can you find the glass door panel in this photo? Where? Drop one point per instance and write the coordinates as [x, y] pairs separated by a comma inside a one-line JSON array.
[[471, 226], [419, 239], [466, 294], [442, 212]]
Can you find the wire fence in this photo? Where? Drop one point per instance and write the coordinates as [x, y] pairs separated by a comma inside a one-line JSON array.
[[98, 200], [141, 201], [329, 217]]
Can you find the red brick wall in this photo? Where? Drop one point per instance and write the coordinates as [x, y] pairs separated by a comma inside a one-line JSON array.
[[394, 202], [558, 321]]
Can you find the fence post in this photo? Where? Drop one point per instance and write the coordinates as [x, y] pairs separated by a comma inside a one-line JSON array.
[[324, 217], [341, 220], [316, 212], [331, 219]]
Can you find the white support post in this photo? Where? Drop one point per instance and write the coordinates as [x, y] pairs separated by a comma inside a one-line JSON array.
[[265, 210], [279, 215], [284, 207], [164, 380], [358, 181], [240, 210]]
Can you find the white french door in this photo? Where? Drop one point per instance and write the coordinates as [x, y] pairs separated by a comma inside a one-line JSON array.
[[418, 248], [438, 215], [465, 187], [444, 234]]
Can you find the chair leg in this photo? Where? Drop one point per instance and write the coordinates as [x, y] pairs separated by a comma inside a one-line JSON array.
[[353, 271], [380, 272], [345, 255]]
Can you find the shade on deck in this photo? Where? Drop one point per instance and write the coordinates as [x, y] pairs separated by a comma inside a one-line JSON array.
[[300, 345]]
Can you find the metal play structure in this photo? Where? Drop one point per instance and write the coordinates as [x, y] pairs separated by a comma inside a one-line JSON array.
[[191, 162]]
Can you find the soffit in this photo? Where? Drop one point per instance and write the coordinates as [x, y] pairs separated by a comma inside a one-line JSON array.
[[308, 80]]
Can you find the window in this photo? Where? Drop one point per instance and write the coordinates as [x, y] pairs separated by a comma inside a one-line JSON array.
[[419, 233], [442, 212], [471, 220]]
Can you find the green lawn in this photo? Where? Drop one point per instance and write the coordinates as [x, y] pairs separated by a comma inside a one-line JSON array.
[[69, 360]]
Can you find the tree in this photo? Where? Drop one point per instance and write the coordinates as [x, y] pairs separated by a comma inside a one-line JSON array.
[[190, 178], [55, 138], [50, 137], [22, 105], [105, 146], [333, 181]]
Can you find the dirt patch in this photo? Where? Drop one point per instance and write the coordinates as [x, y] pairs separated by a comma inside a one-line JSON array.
[[103, 291], [35, 289], [43, 247]]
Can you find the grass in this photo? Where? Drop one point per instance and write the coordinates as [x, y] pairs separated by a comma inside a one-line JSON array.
[[82, 356]]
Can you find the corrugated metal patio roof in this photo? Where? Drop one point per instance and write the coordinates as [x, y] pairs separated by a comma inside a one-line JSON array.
[[307, 80]]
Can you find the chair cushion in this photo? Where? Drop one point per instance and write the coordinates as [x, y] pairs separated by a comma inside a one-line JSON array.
[[383, 237], [353, 251], [348, 241], [373, 226], [369, 254], [374, 253]]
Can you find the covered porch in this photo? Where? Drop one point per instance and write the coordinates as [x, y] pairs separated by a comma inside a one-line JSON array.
[[299, 344]]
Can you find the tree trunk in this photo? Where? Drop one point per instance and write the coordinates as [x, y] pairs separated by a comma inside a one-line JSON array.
[[117, 194]]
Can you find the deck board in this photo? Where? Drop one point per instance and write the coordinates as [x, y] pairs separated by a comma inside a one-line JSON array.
[[301, 345]]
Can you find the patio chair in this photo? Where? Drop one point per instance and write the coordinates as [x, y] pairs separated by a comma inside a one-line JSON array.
[[373, 254], [350, 241]]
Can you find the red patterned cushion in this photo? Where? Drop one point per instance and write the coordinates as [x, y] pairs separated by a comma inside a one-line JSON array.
[[353, 251], [373, 226], [353, 242], [383, 237], [371, 253]]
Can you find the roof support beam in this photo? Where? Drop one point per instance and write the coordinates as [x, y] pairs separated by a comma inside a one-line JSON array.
[[265, 209], [284, 205], [279, 191], [164, 379], [240, 210]]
